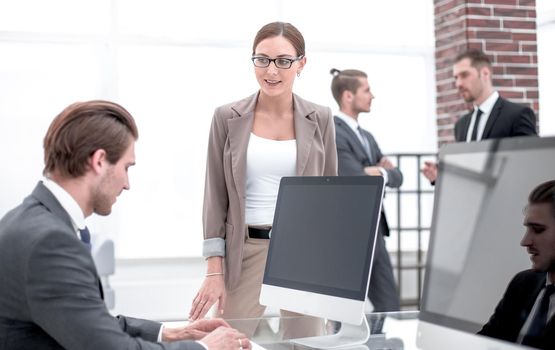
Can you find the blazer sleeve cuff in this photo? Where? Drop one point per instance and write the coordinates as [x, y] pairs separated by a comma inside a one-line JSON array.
[[213, 247], [145, 329]]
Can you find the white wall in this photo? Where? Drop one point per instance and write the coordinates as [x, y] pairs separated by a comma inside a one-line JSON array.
[[170, 63]]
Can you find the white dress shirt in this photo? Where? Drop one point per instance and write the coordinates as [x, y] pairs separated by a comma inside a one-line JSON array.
[[68, 203], [486, 108]]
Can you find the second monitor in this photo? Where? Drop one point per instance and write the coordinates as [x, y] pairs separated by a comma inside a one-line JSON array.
[[322, 246]]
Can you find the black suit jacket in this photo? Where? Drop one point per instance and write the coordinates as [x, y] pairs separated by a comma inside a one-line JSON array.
[[515, 306], [49, 288], [507, 119], [352, 159]]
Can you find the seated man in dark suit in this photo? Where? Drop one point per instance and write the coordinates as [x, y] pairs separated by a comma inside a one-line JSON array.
[[525, 313], [50, 294], [492, 117]]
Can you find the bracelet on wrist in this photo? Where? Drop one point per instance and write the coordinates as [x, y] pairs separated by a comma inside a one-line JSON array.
[[214, 274]]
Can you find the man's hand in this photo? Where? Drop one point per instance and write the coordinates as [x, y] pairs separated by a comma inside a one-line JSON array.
[[193, 331], [373, 171], [225, 338], [385, 163], [430, 171]]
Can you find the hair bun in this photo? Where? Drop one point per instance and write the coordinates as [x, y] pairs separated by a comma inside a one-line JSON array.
[[334, 72]]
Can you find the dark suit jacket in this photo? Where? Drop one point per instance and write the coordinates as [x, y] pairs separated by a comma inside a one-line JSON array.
[[352, 159], [506, 119], [50, 297], [515, 306]]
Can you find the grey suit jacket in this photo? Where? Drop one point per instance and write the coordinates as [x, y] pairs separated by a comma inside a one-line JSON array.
[[352, 159], [50, 294], [226, 168], [507, 119]]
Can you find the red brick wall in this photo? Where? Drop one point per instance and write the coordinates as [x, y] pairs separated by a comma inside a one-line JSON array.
[[506, 31]]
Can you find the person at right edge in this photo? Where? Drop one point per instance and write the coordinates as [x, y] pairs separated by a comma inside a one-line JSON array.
[[525, 313], [492, 117], [358, 154]]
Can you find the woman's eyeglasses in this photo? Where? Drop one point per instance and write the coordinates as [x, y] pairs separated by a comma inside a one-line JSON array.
[[280, 62]]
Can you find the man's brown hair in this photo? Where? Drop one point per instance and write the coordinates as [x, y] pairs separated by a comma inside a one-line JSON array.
[[83, 128], [345, 80], [544, 193], [478, 59]]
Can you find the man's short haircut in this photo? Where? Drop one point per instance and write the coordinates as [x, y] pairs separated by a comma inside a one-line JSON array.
[[345, 80], [83, 128], [478, 59], [544, 193]]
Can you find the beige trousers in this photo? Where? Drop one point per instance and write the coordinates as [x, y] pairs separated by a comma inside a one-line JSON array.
[[243, 301]]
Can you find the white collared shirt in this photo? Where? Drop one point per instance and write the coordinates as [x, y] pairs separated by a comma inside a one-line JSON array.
[[68, 203], [486, 108], [352, 123]]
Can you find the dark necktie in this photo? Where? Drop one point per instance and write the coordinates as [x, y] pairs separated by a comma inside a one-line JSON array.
[[474, 136], [537, 326], [365, 144], [85, 237]]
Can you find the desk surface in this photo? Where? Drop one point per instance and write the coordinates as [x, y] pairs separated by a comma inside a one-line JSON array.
[[394, 330], [389, 331]]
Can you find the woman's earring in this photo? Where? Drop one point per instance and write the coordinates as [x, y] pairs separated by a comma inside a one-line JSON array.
[[298, 73]]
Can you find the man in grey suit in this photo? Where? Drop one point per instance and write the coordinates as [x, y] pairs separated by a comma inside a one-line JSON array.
[[358, 154], [50, 294], [492, 117]]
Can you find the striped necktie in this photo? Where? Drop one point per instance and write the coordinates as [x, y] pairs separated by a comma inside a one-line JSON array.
[[535, 332], [366, 145]]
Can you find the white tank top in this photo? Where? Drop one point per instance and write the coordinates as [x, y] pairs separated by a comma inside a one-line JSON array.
[[267, 162]]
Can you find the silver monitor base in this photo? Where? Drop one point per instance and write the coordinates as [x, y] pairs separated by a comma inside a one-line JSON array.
[[348, 336]]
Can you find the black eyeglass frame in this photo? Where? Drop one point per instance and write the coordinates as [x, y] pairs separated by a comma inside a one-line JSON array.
[[270, 60]]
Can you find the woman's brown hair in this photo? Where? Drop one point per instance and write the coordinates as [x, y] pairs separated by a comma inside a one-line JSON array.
[[287, 30]]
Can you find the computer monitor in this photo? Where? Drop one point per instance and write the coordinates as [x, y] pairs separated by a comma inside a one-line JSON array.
[[322, 245], [477, 226]]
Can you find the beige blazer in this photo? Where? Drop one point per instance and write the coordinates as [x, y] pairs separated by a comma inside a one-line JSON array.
[[226, 167]]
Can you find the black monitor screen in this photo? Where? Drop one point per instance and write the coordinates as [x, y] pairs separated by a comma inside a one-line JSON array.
[[323, 234], [477, 226]]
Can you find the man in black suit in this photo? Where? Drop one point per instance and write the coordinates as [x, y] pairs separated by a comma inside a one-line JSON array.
[[525, 313], [358, 154], [50, 294], [493, 117]]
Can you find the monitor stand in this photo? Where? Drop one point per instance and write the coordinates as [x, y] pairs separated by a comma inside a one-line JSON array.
[[349, 335]]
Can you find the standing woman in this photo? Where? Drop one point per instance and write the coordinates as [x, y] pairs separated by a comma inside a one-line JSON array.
[[253, 143]]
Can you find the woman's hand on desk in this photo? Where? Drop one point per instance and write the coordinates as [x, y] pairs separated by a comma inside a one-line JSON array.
[[193, 331], [211, 291]]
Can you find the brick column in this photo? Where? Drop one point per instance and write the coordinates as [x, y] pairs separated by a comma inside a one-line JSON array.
[[506, 31]]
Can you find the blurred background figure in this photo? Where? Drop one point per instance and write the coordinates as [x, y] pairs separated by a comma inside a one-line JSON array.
[[358, 154]]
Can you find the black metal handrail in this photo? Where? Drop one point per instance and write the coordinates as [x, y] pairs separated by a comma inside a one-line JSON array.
[[400, 267]]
